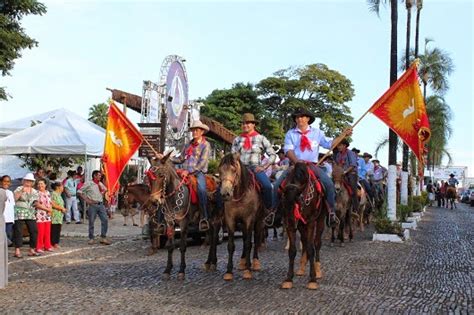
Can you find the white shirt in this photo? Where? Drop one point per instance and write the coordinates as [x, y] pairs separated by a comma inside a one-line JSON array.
[[9, 213]]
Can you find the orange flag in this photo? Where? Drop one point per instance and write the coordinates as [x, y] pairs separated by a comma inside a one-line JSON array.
[[402, 108], [122, 140]]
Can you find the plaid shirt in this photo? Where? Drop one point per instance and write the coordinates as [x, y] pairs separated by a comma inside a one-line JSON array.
[[198, 160], [253, 157]]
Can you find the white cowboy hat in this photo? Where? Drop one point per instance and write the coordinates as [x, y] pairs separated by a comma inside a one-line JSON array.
[[29, 176], [200, 125]]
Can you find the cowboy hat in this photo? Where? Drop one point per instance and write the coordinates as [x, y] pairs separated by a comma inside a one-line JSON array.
[[248, 117], [200, 125], [344, 142], [303, 112], [355, 150], [451, 175], [375, 161], [367, 155], [29, 176]]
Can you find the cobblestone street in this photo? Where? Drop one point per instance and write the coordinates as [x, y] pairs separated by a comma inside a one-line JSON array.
[[431, 273]]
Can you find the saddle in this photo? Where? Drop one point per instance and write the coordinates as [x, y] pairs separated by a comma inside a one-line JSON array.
[[319, 188], [191, 182]]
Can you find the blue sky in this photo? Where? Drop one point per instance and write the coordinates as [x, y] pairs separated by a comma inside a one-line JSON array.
[[86, 46]]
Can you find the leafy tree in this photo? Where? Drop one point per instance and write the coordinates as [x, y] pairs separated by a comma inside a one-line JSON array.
[[315, 87], [440, 115], [98, 114], [13, 38]]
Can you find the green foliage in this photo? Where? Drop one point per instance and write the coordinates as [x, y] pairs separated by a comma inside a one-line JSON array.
[[385, 226], [424, 198], [212, 166], [98, 114], [417, 203], [13, 38], [403, 212], [315, 87], [53, 162]]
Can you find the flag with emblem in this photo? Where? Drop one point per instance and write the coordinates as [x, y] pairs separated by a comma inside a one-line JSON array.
[[403, 109], [122, 140]]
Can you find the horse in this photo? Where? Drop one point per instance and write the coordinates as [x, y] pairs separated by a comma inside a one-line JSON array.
[[451, 197], [343, 204], [242, 201], [304, 209], [173, 195], [364, 206], [130, 198]]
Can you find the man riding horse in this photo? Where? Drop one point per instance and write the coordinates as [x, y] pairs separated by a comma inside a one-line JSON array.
[[302, 144], [347, 159], [363, 171], [251, 145], [452, 181], [195, 159]]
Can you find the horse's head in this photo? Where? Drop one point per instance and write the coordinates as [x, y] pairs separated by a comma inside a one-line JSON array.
[[230, 172], [294, 185], [122, 202], [337, 177], [160, 175]]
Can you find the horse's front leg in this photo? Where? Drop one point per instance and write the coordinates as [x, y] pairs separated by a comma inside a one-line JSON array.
[[318, 236], [291, 232], [244, 250], [213, 233], [349, 223], [307, 235], [182, 248], [257, 242], [248, 249], [228, 276], [170, 247]]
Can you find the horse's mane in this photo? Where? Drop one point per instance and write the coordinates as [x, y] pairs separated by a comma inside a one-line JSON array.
[[299, 175], [244, 182]]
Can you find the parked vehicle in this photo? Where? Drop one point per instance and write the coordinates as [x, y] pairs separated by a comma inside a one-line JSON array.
[[465, 196], [471, 198]]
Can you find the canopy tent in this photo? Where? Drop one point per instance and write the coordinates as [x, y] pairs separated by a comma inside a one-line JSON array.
[[63, 133], [13, 126]]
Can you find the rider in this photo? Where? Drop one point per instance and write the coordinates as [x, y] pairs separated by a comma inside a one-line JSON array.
[[380, 174], [452, 181], [363, 169], [251, 145], [195, 159], [348, 161], [302, 144]]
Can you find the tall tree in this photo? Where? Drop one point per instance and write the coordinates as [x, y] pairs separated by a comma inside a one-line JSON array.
[[440, 115], [374, 5], [419, 6], [98, 114], [13, 38], [435, 67], [315, 87]]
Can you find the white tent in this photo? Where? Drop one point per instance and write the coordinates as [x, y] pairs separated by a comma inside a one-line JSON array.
[[63, 133], [10, 127]]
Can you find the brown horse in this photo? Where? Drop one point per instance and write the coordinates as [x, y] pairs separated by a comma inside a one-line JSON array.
[[132, 197], [242, 202], [451, 197], [363, 206], [343, 204], [304, 210], [172, 194]]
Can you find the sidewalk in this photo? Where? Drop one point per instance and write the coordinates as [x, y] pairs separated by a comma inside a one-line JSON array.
[[115, 228]]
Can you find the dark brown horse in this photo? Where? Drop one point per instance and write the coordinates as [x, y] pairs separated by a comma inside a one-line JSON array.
[[343, 204], [172, 194], [304, 210], [242, 202], [451, 197]]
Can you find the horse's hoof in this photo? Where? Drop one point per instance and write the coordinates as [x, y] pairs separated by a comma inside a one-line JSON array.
[[242, 264], [299, 272], [181, 276], [213, 267], [317, 268], [166, 276], [312, 286], [287, 285], [256, 266], [207, 267], [247, 275], [228, 277]]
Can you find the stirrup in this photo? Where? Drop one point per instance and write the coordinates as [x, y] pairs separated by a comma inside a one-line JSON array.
[[270, 219], [206, 222]]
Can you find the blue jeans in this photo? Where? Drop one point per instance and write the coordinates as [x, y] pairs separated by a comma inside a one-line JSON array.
[[9, 230], [97, 210], [267, 188], [367, 187], [323, 178], [202, 193]]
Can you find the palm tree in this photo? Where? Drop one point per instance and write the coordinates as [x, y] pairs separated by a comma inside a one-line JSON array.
[[435, 66], [98, 114], [440, 115], [419, 6]]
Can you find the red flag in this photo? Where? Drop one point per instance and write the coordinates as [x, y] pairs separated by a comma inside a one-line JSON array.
[[402, 108], [122, 140]]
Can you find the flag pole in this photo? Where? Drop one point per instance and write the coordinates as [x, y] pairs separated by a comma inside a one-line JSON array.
[[342, 136]]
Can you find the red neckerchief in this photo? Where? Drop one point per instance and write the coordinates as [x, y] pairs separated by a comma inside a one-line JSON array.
[[304, 143], [101, 189], [193, 144], [248, 139], [341, 158]]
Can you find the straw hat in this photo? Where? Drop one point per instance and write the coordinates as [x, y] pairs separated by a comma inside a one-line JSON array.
[[248, 117], [200, 125]]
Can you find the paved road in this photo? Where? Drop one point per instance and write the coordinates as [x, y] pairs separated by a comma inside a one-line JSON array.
[[432, 273]]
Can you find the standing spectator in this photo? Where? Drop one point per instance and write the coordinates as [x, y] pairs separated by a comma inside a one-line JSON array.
[[70, 188], [41, 174], [3, 242], [43, 218], [58, 213], [79, 175], [430, 190], [82, 204], [93, 194], [9, 212], [26, 198]]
